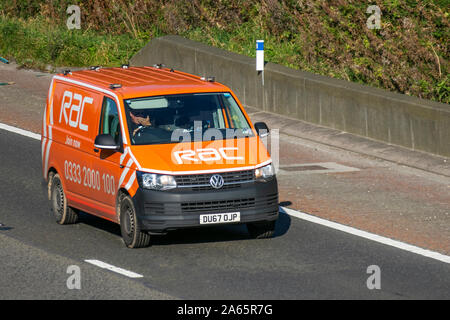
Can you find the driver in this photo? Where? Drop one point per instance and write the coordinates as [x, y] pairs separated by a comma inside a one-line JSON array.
[[138, 119]]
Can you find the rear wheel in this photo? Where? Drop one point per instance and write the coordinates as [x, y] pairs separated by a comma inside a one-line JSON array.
[[132, 236], [261, 230], [58, 202]]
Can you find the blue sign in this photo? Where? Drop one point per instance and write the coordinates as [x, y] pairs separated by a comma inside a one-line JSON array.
[[259, 45]]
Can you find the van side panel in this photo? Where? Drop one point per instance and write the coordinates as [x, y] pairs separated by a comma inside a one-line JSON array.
[[91, 179], [73, 122]]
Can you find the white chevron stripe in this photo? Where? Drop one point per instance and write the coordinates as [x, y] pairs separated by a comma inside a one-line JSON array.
[[130, 181], [122, 157], [125, 172], [47, 151]]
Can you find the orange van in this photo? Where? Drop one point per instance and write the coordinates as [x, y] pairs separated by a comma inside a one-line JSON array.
[[154, 149]]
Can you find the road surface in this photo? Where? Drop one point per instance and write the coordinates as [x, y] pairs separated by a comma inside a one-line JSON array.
[[304, 260]]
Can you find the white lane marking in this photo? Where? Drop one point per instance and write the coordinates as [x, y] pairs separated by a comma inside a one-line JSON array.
[[110, 267], [367, 235], [20, 131], [307, 217]]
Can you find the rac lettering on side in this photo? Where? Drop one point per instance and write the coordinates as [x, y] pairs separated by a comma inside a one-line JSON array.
[[72, 107]]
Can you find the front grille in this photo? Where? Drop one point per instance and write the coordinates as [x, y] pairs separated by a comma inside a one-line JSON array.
[[200, 182], [214, 206], [193, 207]]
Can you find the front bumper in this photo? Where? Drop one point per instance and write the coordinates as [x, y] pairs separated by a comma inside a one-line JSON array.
[[161, 211]]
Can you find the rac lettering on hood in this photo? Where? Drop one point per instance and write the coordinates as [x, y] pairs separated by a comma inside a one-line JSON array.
[[207, 154]]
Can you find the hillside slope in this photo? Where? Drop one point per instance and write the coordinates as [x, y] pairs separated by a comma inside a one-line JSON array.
[[407, 54]]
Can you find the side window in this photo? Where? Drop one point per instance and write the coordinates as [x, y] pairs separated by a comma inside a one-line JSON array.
[[237, 118], [109, 121]]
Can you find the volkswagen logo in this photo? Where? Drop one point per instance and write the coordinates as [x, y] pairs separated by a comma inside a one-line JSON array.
[[216, 181]]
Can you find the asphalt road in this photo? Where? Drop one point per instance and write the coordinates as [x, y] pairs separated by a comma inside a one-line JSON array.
[[302, 261], [390, 191]]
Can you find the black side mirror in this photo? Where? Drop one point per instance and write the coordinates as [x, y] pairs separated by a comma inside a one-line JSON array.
[[105, 141], [262, 129]]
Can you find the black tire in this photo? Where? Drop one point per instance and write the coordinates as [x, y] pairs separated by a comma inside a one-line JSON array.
[[58, 202], [51, 174], [132, 236], [261, 230]]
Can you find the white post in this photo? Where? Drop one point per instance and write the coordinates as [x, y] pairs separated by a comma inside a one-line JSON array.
[[260, 57]]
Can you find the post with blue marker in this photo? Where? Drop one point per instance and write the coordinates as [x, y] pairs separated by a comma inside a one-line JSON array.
[[260, 58]]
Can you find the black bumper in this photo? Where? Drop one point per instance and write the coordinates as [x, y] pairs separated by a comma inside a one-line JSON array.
[[161, 211]]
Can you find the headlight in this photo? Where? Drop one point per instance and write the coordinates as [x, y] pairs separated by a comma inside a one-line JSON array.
[[265, 173], [155, 181]]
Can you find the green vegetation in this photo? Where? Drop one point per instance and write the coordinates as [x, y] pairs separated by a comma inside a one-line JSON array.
[[409, 54], [34, 43]]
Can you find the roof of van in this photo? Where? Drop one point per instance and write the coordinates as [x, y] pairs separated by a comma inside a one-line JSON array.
[[145, 81]]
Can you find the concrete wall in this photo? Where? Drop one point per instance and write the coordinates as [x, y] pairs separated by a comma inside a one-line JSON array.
[[374, 113]]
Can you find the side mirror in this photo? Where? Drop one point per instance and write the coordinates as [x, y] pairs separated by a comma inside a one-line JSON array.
[[262, 129], [105, 141]]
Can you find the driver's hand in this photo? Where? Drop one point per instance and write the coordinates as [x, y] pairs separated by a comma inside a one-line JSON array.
[[136, 130]]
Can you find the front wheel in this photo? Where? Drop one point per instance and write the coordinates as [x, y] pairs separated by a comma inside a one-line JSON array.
[[132, 236], [261, 230]]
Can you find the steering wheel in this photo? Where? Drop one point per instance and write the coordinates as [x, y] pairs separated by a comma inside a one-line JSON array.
[[140, 130], [205, 126]]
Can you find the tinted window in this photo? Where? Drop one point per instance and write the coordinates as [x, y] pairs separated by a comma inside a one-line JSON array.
[[175, 118]]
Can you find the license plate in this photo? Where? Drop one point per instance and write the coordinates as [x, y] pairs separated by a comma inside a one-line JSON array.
[[220, 218]]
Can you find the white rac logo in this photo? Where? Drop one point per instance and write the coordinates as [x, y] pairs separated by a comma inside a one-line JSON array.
[[207, 154], [74, 117]]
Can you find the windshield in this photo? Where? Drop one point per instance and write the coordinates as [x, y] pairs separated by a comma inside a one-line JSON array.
[[185, 117]]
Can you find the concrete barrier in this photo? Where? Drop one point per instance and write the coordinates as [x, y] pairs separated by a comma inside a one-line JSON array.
[[370, 112]]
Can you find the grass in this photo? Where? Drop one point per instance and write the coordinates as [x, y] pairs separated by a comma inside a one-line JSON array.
[[409, 54], [36, 44]]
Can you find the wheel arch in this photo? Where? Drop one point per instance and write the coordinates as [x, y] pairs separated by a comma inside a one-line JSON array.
[[121, 192]]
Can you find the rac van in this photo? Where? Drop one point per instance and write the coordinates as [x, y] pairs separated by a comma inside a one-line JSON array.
[[154, 149]]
